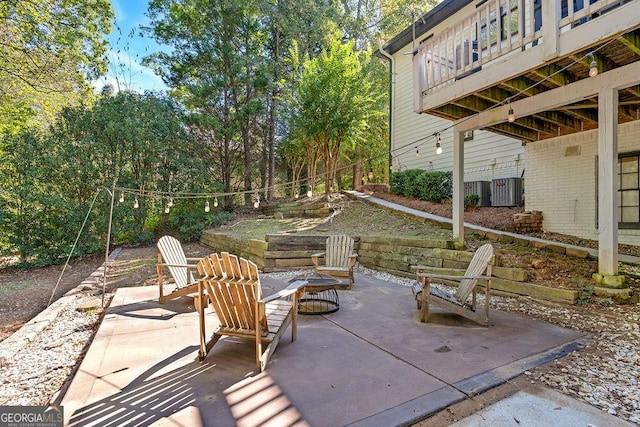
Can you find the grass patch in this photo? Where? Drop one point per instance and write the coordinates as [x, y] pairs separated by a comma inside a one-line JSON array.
[[13, 287]]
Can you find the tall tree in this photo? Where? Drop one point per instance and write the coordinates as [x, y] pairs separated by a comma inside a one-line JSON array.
[[50, 49], [216, 69], [334, 101]]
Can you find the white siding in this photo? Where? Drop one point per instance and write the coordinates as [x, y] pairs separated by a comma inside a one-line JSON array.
[[487, 156], [562, 182]]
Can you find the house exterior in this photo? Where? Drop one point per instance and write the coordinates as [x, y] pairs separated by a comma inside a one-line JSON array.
[[553, 82]]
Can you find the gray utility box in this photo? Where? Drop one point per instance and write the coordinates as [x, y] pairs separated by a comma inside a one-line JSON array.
[[481, 188], [506, 192]]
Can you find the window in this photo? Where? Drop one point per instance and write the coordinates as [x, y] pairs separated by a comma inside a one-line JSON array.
[[629, 191]]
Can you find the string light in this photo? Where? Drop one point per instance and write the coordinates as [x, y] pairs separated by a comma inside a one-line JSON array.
[[170, 202], [417, 152], [511, 117], [121, 200], [310, 192], [256, 203], [296, 195], [593, 67], [136, 204], [206, 206], [215, 202], [167, 209], [439, 145]]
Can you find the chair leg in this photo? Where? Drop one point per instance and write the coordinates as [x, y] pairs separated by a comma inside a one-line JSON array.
[[424, 297]]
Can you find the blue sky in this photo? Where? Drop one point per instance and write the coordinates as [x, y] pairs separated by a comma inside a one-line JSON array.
[[129, 48]]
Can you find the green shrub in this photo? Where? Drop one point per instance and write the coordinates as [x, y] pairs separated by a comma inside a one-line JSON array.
[[433, 186], [471, 200]]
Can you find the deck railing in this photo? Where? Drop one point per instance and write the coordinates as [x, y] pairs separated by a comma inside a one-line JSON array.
[[495, 29]]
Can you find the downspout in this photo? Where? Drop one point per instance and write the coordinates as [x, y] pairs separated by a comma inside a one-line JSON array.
[[390, 58]]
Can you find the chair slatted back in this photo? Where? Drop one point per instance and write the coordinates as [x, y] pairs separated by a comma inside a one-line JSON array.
[[234, 289], [338, 249], [173, 255], [477, 267]]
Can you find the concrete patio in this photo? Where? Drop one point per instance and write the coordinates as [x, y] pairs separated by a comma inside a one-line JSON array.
[[371, 363]]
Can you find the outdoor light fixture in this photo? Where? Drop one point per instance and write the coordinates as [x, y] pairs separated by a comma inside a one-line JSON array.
[[593, 67], [417, 152], [310, 192], [215, 202], [206, 206], [511, 117], [121, 199], [439, 145], [136, 205]]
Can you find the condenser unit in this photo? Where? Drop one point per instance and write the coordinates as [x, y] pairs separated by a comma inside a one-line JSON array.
[[506, 192], [481, 188]]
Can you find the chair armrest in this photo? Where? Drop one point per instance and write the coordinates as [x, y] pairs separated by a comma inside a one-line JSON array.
[[423, 268], [288, 291], [352, 259], [193, 259], [450, 277], [314, 257], [177, 265]]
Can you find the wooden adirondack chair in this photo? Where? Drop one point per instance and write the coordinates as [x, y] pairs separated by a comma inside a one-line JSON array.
[[171, 255], [339, 258], [233, 287], [479, 268]]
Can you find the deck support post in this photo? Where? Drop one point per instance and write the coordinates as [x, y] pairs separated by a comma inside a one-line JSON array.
[[607, 182], [458, 185]]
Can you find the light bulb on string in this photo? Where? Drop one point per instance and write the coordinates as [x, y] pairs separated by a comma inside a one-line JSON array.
[[206, 206], [121, 199], [593, 67], [511, 117], [296, 195], [136, 204], [439, 145], [167, 209], [170, 202], [256, 203], [417, 152], [310, 192], [215, 202]]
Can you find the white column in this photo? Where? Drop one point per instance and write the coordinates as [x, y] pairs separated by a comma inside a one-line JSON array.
[[458, 185], [550, 31], [607, 181]]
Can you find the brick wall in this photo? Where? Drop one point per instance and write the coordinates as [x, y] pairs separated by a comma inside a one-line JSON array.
[[560, 181]]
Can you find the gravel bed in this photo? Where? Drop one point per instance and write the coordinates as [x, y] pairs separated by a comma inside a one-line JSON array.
[[606, 374]]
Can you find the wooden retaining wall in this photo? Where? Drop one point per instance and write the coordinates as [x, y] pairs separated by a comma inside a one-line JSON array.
[[397, 256]]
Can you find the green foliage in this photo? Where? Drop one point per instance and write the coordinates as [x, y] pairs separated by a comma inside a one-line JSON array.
[[433, 186], [49, 180], [471, 200], [585, 293], [187, 221], [49, 51]]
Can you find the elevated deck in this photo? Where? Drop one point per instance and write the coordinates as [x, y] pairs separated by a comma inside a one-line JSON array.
[[503, 51]]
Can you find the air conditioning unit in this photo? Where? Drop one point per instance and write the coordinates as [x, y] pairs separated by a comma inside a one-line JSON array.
[[481, 188], [462, 53], [506, 192]]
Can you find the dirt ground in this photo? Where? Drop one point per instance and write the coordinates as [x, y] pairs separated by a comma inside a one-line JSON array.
[[25, 293]]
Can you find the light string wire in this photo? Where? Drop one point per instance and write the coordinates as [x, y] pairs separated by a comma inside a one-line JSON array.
[[66, 264], [397, 151]]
